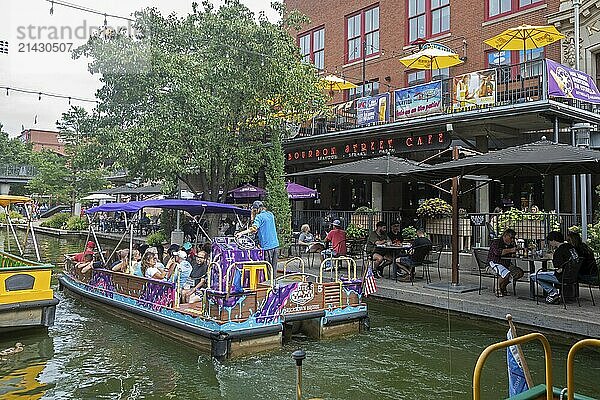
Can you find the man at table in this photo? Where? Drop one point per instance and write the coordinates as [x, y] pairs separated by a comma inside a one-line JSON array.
[[376, 238], [504, 246], [566, 261], [395, 233], [420, 248]]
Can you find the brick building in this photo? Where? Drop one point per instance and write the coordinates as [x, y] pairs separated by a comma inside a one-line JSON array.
[[42, 139], [363, 41]]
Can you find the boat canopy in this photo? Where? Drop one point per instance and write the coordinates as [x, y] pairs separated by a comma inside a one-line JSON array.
[[6, 200], [194, 207]]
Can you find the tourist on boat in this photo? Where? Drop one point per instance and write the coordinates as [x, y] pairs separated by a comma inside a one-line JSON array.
[[589, 268], [89, 247], [395, 233], [501, 248], [264, 226], [153, 250], [306, 238], [149, 268], [337, 238], [420, 248], [199, 267], [566, 262], [179, 270], [122, 264], [174, 248], [87, 262], [189, 249], [136, 268], [379, 256]]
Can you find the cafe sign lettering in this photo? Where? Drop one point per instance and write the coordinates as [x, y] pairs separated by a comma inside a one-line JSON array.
[[369, 147]]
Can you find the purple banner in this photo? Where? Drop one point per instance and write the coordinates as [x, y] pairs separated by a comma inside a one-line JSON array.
[[567, 82]]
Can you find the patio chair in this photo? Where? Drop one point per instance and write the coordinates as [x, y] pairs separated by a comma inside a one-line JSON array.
[[592, 281], [572, 285], [421, 253], [481, 254], [434, 258]]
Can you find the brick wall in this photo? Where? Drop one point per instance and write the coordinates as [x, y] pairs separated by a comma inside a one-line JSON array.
[[467, 25]]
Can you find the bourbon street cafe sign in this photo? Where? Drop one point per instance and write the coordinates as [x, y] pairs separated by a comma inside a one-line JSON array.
[[369, 147]]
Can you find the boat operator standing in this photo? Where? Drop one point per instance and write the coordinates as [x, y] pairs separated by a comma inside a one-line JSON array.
[[264, 226]]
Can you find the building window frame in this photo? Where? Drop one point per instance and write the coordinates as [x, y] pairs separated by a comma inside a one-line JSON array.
[[372, 88], [414, 12], [362, 35], [316, 52], [515, 6], [427, 76]]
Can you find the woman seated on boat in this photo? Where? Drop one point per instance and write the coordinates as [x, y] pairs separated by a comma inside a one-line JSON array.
[[149, 267], [122, 264], [136, 268]]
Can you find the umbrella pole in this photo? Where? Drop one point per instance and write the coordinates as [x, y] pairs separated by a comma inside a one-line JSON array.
[[455, 187]]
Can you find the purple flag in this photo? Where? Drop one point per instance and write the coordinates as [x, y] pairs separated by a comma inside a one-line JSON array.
[[567, 82]]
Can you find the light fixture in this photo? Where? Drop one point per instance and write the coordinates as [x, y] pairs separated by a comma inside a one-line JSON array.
[[582, 134]]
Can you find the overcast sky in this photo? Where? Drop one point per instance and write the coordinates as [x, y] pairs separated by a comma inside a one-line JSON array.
[[22, 22]]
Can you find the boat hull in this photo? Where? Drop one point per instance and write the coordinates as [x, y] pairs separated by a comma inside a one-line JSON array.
[[27, 315]]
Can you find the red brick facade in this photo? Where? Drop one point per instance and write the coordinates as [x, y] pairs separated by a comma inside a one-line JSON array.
[[468, 28], [41, 139]]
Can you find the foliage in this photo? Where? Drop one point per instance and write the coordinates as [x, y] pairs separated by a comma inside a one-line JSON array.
[[511, 218], [56, 221], [410, 233], [434, 208], [157, 238], [277, 198], [575, 229], [14, 216], [192, 99], [364, 210], [13, 151], [76, 223], [354, 231], [594, 237]]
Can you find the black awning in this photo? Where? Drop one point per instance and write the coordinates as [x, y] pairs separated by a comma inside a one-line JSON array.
[[385, 166]]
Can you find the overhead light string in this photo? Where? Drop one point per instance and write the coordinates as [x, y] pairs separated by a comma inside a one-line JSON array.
[[53, 95], [85, 9]]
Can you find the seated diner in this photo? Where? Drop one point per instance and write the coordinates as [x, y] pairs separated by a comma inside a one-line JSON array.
[[500, 250]]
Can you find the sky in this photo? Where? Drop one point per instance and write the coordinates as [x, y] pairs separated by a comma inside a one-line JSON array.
[[25, 23]]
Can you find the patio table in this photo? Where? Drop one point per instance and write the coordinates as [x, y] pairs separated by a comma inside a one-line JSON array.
[[531, 263], [397, 251]]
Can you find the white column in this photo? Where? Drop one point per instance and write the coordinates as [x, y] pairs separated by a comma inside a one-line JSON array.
[[4, 188], [376, 195]]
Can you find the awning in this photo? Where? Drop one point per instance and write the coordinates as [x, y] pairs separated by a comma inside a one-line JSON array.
[[153, 189], [194, 207], [299, 192], [6, 200]]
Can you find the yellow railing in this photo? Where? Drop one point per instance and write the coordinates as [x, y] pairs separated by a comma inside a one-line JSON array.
[[336, 264], [502, 345], [571, 363]]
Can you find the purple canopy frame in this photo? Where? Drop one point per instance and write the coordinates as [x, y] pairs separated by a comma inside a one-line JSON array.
[[194, 207]]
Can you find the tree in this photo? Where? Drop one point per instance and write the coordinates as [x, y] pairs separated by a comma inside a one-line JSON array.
[[13, 151], [277, 197], [193, 99]]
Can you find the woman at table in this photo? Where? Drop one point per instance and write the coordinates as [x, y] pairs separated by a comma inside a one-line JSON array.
[[589, 268], [306, 238]]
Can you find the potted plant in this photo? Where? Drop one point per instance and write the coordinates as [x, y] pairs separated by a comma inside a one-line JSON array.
[[355, 232], [365, 217], [409, 233], [534, 224], [437, 214]]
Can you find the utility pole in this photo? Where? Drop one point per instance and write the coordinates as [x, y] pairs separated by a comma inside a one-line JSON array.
[[364, 68]]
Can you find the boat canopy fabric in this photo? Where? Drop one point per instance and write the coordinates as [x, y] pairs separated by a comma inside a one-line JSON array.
[[194, 207], [6, 200], [532, 159], [296, 191], [384, 166], [247, 192]]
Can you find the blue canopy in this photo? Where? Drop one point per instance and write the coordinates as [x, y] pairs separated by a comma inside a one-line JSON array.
[[194, 207]]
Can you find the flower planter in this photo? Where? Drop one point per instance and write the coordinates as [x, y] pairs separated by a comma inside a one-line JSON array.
[[443, 226], [530, 229], [366, 221]]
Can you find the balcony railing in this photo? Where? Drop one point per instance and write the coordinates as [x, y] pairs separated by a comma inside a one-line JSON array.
[[514, 84]]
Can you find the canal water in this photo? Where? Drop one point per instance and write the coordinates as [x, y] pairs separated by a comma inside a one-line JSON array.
[[409, 353]]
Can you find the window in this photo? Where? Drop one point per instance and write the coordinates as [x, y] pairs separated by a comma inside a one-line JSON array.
[[497, 8], [422, 76], [362, 28], [427, 18], [439, 74], [534, 61], [415, 77], [371, 89], [312, 47]]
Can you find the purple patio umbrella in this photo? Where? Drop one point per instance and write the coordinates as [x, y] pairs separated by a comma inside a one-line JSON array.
[[299, 192], [247, 192]]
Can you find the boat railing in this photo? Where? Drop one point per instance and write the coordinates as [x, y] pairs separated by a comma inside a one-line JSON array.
[[337, 263], [507, 343], [291, 261], [10, 260], [571, 363], [297, 276]]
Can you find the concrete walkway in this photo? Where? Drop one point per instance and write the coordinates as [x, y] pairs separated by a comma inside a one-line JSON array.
[[575, 320]]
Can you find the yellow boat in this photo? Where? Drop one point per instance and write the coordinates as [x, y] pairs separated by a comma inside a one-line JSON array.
[[26, 298]]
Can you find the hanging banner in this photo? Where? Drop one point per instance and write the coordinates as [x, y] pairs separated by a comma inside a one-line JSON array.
[[567, 82], [372, 110], [418, 100], [474, 90]]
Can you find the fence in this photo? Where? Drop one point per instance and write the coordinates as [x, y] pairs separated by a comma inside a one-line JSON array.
[[514, 84], [474, 229]]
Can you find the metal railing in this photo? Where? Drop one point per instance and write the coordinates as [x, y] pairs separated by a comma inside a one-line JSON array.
[[476, 226], [515, 84], [13, 170]]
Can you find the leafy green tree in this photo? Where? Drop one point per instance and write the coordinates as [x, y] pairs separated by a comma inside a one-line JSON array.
[[13, 151], [277, 197], [193, 99]]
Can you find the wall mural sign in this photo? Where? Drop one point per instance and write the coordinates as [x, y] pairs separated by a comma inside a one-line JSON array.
[[567, 82], [474, 90], [418, 100], [373, 110], [369, 147]]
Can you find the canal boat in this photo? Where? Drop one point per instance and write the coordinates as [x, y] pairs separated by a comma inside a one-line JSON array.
[[26, 298], [248, 305]]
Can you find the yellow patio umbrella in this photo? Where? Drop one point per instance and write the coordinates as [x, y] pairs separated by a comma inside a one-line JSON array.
[[432, 56], [332, 82], [525, 37]]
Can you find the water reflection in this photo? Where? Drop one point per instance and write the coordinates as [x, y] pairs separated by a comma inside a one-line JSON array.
[[410, 353]]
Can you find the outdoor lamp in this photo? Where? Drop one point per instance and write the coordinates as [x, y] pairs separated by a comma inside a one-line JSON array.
[[582, 134]]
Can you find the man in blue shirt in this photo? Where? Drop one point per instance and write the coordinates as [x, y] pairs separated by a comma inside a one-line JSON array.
[[264, 227]]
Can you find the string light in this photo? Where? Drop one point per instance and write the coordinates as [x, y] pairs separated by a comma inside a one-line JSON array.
[[85, 9], [54, 95]]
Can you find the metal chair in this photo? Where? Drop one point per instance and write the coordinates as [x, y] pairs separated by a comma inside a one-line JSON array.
[[433, 258], [592, 281], [565, 281], [481, 254]]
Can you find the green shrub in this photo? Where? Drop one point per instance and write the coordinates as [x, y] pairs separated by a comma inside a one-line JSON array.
[[434, 208], [509, 218], [14, 216], [76, 223], [56, 221], [410, 233], [354, 231], [156, 239]]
